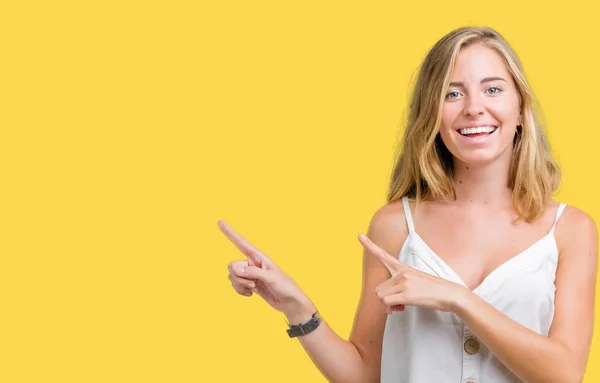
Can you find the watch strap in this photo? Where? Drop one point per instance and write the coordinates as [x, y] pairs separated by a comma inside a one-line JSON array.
[[305, 328]]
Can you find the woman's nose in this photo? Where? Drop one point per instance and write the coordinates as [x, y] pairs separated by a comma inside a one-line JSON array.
[[473, 106]]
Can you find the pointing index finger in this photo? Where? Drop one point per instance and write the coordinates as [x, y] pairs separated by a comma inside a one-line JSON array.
[[253, 254], [392, 264]]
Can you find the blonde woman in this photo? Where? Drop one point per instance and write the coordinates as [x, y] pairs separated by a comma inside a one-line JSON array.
[[472, 272]]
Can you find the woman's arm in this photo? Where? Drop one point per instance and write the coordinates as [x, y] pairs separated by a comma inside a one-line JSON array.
[[562, 356], [345, 361]]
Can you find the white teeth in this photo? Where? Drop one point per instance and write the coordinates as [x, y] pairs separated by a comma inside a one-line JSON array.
[[479, 129]]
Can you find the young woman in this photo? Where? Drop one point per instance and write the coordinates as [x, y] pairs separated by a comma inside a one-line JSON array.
[[472, 273]]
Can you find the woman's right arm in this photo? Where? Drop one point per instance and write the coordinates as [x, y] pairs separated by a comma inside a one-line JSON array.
[[345, 361]]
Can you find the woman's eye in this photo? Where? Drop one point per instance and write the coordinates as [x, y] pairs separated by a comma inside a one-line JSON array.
[[497, 90], [452, 95]]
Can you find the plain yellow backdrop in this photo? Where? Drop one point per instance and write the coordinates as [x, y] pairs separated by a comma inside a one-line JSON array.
[[128, 128]]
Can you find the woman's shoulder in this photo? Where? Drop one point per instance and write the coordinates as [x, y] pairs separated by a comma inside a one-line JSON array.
[[572, 216], [388, 214], [575, 224], [388, 227]]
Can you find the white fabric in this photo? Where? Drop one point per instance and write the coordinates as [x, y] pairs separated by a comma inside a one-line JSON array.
[[424, 345]]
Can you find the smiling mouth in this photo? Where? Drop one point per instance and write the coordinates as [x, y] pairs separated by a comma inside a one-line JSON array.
[[481, 131]]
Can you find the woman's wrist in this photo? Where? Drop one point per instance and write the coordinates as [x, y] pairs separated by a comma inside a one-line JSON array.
[[461, 299], [300, 312]]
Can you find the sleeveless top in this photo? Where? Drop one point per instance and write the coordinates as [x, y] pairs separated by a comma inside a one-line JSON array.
[[426, 345]]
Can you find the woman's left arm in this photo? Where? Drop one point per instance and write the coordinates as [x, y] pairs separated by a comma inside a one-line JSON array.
[[562, 356]]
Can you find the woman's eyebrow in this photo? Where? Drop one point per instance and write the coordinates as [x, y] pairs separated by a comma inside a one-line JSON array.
[[486, 79]]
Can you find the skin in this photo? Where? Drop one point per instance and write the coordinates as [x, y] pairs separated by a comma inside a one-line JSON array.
[[458, 231]]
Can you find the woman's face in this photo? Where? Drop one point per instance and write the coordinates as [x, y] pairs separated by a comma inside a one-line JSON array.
[[481, 108]]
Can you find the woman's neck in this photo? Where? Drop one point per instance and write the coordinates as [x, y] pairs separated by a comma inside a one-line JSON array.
[[486, 184]]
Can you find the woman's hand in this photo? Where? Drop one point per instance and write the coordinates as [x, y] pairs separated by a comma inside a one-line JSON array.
[[259, 274], [412, 287]]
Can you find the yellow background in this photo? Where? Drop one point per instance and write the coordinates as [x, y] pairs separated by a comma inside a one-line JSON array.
[[128, 128]]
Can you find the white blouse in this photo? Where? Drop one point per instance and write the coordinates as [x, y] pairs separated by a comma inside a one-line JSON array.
[[424, 345]]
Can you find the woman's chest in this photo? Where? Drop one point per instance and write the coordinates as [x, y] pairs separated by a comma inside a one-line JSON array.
[[477, 246]]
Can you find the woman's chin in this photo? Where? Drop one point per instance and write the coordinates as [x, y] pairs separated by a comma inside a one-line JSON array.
[[478, 159]]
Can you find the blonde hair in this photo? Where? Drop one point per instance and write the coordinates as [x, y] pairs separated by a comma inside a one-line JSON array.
[[424, 166]]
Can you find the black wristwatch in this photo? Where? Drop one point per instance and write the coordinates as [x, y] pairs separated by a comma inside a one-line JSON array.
[[305, 328]]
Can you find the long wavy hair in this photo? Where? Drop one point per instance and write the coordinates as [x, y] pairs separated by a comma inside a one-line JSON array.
[[424, 167]]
